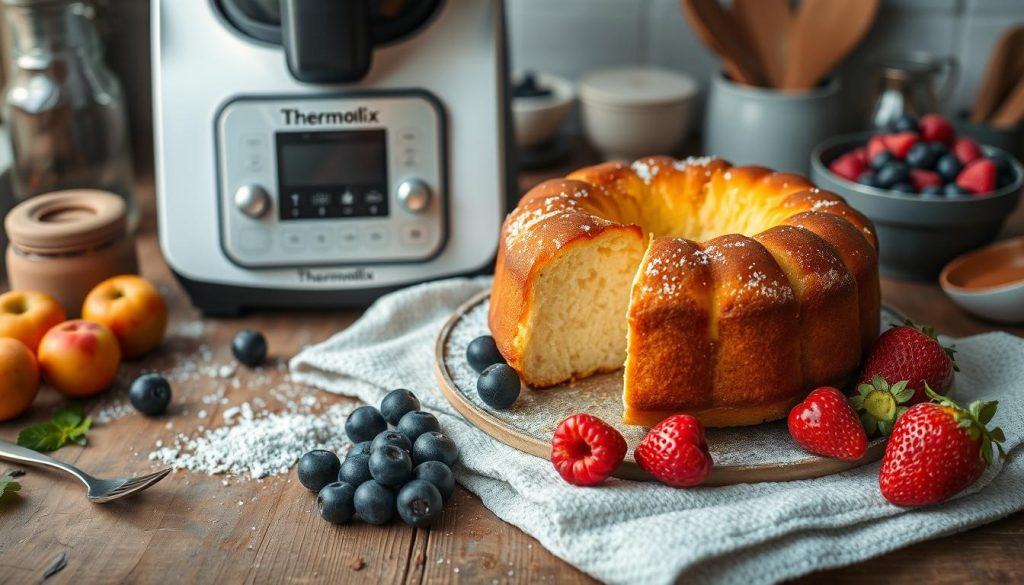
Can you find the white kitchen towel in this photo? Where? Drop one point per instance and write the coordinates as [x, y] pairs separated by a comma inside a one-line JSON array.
[[635, 532]]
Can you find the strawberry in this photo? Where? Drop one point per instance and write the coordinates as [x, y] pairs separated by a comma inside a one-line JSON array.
[[978, 178], [921, 178], [875, 147], [879, 405], [862, 155], [967, 150], [899, 144], [675, 451], [848, 166], [585, 450], [938, 449], [825, 424], [908, 353], [935, 128]]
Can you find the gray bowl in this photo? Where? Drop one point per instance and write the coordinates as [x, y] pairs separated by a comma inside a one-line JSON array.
[[917, 236]]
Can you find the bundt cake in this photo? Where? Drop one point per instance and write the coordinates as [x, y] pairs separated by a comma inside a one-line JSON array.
[[728, 292]]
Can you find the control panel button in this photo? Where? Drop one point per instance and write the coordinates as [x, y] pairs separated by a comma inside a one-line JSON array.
[[414, 195], [377, 237], [415, 234], [349, 238], [293, 240], [320, 239], [252, 200]]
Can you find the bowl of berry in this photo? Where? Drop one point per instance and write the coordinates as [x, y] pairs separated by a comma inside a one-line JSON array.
[[931, 194]]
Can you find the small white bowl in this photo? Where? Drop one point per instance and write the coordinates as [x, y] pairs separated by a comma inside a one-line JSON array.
[[989, 282], [538, 119], [632, 112]]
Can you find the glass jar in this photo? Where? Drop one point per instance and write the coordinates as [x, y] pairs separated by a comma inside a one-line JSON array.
[[906, 83], [66, 243], [63, 105]]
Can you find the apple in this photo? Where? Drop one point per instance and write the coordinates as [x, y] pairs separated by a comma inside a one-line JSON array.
[[132, 308], [79, 358], [27, 315], [19, 378]]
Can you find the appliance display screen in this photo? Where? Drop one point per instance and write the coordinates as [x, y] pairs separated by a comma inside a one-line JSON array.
[[332, 174]]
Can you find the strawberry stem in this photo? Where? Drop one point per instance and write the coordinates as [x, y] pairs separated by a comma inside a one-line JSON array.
[[974, 420]]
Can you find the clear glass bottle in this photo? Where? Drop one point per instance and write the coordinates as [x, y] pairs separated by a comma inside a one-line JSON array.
[[63, 105]]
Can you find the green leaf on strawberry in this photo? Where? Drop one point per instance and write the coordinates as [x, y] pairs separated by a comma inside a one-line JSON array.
[[879, 404], [974, 419]]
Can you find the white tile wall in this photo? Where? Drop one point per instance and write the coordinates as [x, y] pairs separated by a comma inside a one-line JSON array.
[[571, 37]]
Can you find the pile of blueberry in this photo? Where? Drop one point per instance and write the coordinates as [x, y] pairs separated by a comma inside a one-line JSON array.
[[405, 470], [498, 384], [923, 156]]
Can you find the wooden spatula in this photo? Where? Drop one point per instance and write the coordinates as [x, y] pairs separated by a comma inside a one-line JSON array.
[[717, 30], [824, 32], [1007, 54], [1011, 111], [767, 25]]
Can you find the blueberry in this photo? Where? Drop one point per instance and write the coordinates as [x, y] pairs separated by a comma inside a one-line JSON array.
[[1004, 179], [938, 149], [362, 448], [419, 502], [954, 190], [364, 424], [932, 191], [438, 474], [920, 156], [903, 187], [483, 352], [390, 465], [397, 403], [1002, 162], [355, 469], [434, 446], [150, 394], [948, 167], [249, 347], [336, 502], [318, 468], [417, 422], [905, 122], [392, 438], [375, 503], [498, 386], [892, 173], [867, 178], [881, 159]]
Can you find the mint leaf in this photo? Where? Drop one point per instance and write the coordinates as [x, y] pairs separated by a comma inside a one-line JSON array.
[[68, 417], [7, 483], [69, 425]]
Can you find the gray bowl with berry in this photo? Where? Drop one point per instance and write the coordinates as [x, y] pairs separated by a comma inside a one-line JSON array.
[[931, 195]]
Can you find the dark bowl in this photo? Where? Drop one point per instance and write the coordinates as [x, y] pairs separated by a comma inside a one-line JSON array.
[[917, 236]]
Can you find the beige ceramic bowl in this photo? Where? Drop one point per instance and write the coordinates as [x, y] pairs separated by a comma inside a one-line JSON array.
[[538, 119], [989, 282], [632, 112]]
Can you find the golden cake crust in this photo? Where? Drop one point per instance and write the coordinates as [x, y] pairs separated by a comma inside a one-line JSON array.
[[732, 328]]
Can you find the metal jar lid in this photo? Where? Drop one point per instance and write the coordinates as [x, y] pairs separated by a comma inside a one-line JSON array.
[[66, 222]]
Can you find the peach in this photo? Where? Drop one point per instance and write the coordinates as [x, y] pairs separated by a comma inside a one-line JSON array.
[[19, 378], [132, 308], [28, 315], [79, 358]]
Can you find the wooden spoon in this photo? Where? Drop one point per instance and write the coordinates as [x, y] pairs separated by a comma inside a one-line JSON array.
[[767, 25], [998, 79], [718, 31], [1011, 111], [824, 32]]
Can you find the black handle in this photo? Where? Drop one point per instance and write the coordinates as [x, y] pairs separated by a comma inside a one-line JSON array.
[[327, 41]]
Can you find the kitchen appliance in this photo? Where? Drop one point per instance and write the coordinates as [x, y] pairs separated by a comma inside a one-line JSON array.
[[321, 153]]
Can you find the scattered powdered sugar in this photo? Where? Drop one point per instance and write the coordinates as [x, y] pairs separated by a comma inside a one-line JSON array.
[[259, 443]]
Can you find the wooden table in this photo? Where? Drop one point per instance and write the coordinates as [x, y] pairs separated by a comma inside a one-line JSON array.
[[193, 528]]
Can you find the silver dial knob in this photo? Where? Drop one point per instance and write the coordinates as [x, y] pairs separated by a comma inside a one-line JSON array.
[[252, 200], [414, 195]]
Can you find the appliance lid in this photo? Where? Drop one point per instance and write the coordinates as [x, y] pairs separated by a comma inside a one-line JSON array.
[[636, 86], [328, 41]]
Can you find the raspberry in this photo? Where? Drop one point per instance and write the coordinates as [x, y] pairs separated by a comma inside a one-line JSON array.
[[586, 450]]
